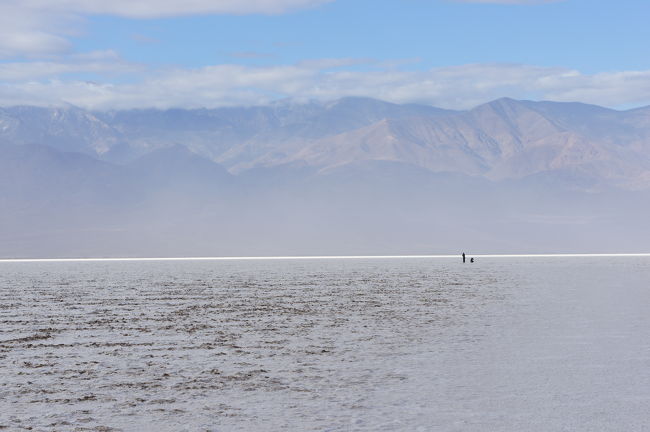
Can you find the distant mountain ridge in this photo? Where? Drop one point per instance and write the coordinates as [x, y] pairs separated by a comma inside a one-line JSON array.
[[354, 176], [502, 139]]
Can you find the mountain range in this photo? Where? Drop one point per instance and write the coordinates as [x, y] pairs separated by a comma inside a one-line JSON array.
[[354, 175]]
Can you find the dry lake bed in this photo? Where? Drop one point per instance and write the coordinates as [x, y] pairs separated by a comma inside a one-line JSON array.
[[504, 344]]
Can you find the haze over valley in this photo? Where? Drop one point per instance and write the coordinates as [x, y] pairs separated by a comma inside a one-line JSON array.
[[349, 176]]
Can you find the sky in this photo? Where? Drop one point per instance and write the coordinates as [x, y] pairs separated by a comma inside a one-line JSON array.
[[207, 53]]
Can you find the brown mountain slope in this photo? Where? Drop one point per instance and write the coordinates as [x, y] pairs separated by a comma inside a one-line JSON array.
[[500, 140]]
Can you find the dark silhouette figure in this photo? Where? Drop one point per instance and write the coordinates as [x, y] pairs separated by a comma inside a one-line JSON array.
[[471, 260], [463, 256]]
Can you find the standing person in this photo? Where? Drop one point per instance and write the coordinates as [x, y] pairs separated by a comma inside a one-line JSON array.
[[463, 257]]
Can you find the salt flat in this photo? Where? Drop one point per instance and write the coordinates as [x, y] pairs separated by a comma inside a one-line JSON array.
[[526, 343]]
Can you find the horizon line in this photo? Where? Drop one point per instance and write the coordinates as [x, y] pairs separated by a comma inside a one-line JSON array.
[[321, 257]]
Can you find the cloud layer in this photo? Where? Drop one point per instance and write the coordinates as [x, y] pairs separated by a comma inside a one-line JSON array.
[[229, 84], [38, 33]]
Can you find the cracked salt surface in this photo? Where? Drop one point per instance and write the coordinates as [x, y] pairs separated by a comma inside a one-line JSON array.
[[326, 345]]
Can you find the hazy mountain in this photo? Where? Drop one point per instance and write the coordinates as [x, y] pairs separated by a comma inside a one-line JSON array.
[[68, 129], [499, 140], [237, 136], [177, 166], [350, 176], [503, 139]]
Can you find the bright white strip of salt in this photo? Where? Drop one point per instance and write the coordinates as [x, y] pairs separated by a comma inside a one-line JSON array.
[[456, 256]]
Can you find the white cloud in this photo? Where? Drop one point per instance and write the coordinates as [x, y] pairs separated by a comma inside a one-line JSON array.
[[96, 62], [221, 85], [166, 8], [24, 32], [32, 28]]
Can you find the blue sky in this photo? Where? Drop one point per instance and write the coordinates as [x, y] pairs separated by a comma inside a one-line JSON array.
[[590, 35], [453, 54]]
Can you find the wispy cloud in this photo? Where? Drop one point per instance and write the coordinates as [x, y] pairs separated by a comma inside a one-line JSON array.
[[334, 63], [144, 39], [250, 55], [221, 85], [25, 32], [97, 62], [32, 28], [166, 8]]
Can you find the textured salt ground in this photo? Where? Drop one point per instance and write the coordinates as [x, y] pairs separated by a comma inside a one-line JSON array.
[[338, 345]]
